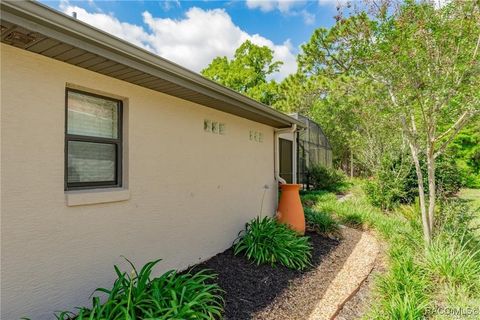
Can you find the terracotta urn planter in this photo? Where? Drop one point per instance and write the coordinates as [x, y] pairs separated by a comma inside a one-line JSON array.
[[290, 209]]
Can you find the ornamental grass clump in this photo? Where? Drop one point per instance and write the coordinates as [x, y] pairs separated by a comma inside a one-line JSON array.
[[265, 240], [321, 222], [170, 296]]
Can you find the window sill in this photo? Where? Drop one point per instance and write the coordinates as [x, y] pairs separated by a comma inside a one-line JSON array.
[[87, 197]]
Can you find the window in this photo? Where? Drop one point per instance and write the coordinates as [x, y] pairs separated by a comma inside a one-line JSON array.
[[93, 141]]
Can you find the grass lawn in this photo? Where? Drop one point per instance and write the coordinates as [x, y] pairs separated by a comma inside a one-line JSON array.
[[472, 195], [473, 198]]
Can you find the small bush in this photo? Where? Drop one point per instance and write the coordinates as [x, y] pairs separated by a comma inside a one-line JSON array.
[[323, 178], [321, 222], [170, 296], [267, 241], [387, 189], [447, 176], [396, 182]]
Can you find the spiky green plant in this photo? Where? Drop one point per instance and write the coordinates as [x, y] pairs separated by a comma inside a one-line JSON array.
[[170, 296], [264, 240], [321, 222], [453, 264]]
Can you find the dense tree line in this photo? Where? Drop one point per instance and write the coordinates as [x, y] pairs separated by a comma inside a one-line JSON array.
[[388, 81]]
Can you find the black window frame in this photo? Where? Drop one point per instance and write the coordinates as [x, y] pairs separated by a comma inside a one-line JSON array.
[[118, 143]]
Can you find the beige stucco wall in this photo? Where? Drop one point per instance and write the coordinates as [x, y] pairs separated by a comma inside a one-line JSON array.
[[190, 192]]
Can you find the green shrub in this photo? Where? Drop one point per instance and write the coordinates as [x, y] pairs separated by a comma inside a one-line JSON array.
[[396, 182], [323, 178], [170, 296], [384, 193], [387, 189], [321, 222], [267, 241], [447, 177]]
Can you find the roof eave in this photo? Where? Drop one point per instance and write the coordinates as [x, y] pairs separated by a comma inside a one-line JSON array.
[[56, 25]]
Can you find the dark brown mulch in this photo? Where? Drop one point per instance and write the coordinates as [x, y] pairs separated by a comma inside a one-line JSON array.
[[263, 292]]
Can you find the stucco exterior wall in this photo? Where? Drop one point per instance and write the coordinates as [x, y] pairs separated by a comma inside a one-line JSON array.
[[188, 192]]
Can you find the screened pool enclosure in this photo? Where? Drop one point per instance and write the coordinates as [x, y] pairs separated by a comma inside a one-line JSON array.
[[312, 146]]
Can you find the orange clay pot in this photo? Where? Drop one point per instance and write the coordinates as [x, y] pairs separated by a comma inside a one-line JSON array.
[[290, 209]]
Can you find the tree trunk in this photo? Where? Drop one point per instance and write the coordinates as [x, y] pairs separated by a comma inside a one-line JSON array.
[[421, 194], [351, 163], [431, 186]]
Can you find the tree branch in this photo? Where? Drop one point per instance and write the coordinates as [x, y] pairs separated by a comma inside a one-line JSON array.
[[453, 131]]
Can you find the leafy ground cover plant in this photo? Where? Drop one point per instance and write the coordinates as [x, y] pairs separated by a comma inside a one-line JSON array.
[[265, 240], [309, 198], [139, 296], [321, 222]]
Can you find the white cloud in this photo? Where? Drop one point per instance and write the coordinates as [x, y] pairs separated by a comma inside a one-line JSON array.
[[333, 2], [286, 7], [107, 22], [192, 41], [169, 4], [283, 6]]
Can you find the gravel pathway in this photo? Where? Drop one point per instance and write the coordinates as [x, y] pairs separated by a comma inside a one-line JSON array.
[[360, 303], [348, 280]]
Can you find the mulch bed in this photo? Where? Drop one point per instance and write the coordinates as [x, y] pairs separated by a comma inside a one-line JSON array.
[[263, 292]]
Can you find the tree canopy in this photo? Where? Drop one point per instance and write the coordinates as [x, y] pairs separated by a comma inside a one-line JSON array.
[[247, 72], [388, 79]]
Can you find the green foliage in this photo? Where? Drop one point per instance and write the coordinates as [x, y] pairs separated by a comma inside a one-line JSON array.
[[387, 189], [447, 176], [418, 76], [353, 219], [457, 220], [466, 151], [247, 72], [453, 264], [170, 296], [323, 178], [403, 289], [264, 240], [396, 182], [417, 279], [321, 222], [309, 198]]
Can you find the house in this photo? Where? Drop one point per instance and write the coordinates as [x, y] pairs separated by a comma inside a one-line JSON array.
[[108, 150], [311, 147]]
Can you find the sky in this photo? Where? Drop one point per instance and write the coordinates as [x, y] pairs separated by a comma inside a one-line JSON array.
[[193, 33]]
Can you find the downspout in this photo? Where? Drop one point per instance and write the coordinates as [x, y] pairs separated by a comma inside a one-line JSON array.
[[276, 149]]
